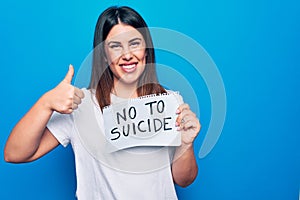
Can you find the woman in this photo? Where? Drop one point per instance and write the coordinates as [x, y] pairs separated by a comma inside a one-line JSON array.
[[123, 68]]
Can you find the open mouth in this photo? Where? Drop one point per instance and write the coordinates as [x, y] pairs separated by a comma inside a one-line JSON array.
[[128, 67]]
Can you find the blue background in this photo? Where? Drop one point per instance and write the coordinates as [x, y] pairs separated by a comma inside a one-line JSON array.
[[255, 45]]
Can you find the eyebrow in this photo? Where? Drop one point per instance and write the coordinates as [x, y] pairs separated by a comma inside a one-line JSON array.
[[117, 42], [134, 39]]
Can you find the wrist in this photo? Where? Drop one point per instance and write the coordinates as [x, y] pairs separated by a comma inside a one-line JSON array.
[[184, 150], [45, 102], [186, 145]]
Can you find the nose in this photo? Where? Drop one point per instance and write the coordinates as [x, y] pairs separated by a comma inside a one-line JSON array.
[[127, 54]]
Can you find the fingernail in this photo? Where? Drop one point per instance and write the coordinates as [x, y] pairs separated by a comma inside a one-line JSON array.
[[177, 111], [176, 124]]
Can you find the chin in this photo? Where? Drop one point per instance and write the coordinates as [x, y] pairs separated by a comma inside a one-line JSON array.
[[128, 82]]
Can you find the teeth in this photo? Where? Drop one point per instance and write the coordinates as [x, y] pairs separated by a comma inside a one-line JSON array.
[[129, 66]]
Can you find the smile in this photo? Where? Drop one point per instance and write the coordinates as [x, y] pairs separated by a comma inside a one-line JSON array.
[[128, 67]]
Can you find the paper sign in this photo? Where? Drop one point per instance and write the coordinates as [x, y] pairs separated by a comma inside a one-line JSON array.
[[145, 121]]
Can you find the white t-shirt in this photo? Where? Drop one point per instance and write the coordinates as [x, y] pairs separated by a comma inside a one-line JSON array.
[[112, 176]]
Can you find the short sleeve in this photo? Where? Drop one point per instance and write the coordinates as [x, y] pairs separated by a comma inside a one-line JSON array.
[[61, 126]]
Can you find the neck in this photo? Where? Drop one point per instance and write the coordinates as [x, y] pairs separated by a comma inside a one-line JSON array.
[[124, 90]]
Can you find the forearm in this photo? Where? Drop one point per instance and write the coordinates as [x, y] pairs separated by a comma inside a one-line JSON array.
[[25, 137], [30, 139], [184, 167]]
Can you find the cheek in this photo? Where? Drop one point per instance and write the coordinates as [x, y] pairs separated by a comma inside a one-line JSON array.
[[110, 57], [141, 55], [115, 71]]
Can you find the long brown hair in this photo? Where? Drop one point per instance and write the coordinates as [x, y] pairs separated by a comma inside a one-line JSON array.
[[102, 76]]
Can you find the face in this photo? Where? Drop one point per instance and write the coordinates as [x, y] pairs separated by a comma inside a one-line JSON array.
[[125, 53]]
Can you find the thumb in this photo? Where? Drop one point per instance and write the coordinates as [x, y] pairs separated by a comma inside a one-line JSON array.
[[70, 74]]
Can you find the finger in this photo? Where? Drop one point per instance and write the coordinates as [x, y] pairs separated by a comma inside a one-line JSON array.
[[74, 106], [189, 116], [186, 118], [79, 93], [76, 100], [191, 124], [187, 112], [183, 115], [69, 111], [187, 125], [182, 107], [69, 75]]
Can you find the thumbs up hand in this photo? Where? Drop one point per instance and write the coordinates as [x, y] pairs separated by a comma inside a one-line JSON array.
[[65, 98]]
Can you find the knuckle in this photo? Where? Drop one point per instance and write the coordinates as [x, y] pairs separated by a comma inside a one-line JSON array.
[[69, 102], [64, 108]]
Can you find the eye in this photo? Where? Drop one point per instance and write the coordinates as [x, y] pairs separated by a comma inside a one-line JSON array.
[[135, 44], [115, 46]]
